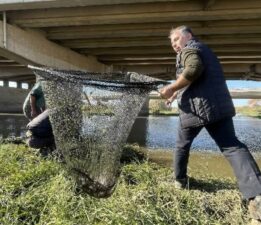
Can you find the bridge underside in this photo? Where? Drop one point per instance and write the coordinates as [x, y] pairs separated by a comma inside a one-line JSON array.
[[126, 35]]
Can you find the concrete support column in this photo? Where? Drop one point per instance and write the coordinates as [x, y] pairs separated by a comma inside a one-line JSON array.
[[19, 84], [145, 108], [140, 125], [30, 85], [6, 83]]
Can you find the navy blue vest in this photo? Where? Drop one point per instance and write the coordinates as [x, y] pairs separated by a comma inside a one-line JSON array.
[[207, 99]]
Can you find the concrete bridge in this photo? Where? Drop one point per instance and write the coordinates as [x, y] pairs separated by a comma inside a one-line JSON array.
[[123, 35]]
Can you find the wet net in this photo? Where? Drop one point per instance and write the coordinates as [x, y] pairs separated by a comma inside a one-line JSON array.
[[91, 116]]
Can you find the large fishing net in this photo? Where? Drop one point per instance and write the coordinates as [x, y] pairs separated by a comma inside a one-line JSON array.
[[91, 116]]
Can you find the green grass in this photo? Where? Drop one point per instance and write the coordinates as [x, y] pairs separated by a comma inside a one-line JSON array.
[[34, 190]]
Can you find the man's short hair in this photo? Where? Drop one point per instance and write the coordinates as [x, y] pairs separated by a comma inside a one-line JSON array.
[[184, 29]]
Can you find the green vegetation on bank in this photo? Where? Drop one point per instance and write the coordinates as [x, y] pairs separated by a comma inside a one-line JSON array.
[[39, 191], [165, 113], [249, 111], [158, 107]]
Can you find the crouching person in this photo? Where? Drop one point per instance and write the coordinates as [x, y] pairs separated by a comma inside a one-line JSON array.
[[34, 103], [40, 134]]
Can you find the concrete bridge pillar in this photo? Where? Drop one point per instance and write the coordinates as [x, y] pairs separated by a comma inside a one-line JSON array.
[[5, 83], [140, 125], [30, 85], [19, 84], [145, 108]]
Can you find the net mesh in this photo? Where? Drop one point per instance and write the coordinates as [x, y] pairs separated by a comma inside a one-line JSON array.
[[92, 115]]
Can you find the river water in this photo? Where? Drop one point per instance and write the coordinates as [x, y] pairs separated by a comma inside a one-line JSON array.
[[157, 132]]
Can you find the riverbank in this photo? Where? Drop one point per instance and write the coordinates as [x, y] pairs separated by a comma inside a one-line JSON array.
[[39, 191], [254, 112], [205, 162]]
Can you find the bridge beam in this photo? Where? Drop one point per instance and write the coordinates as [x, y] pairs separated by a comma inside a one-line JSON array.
[[34, 48], [38, 4], [6, 72]]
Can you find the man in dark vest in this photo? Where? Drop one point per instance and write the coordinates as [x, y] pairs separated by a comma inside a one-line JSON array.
[[204, 101]]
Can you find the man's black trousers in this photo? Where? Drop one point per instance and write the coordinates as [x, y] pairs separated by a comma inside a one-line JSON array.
[[245, 168]]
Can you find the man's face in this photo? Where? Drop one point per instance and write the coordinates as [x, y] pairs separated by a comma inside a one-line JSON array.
[[179, 40]]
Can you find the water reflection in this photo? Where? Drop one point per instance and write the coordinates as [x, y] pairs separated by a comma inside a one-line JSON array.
[[161, 133]]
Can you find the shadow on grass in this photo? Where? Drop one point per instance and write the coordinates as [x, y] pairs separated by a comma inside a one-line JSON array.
[[210, 185], [133, 153]]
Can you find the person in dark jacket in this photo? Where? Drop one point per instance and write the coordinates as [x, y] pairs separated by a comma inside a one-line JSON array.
[[204, 101], [40, 133]]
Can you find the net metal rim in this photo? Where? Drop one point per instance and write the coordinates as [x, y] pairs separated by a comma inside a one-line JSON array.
[[58, 74]]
